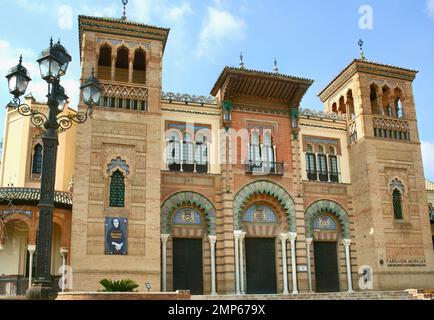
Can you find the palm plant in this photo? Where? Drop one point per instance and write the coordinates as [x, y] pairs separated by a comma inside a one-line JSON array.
[[126, 285]]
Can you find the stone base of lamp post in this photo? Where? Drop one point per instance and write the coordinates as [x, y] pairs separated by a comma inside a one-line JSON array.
[[41, 291]]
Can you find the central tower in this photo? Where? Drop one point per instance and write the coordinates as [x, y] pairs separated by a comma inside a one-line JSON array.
[[117, 172]]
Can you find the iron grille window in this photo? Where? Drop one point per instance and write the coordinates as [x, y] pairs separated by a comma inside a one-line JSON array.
[[311, 167], [37, 160], [334, 173], [322, 166], [397, 204], [117, 190]]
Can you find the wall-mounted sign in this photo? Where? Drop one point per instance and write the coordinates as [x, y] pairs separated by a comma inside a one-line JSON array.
[[116, 236]]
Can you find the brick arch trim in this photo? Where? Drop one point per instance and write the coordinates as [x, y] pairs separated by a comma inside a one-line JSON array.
[[323, 206], [269, 188], [187, 198]]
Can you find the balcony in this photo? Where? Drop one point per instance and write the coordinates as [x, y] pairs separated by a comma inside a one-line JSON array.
[[189, 167], [323, 176], [16, 286], [265, 168]]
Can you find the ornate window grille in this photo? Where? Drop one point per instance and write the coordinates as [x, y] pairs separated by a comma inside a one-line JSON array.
[[37, 160], [397, 204], [117, 190]]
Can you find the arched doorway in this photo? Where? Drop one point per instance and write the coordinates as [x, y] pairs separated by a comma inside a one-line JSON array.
[[188, 243], [328, 233], [262, 229], [264, 219]]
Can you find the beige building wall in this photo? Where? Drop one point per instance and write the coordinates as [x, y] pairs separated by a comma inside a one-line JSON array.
[[20, 138], [399, 250], [135, 137], [323, 128]]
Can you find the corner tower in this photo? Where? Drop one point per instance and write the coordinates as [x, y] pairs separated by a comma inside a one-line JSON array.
[[117, 172], [389, 200]]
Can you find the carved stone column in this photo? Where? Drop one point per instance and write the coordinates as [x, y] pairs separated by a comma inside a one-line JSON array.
[[31, 248], [212, 242], [309, 265], [164, 238], [283, 238], [237, 235], [347, 244], [292, 237]]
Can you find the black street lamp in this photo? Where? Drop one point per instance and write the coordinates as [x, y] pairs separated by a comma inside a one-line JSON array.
[[53, 64]]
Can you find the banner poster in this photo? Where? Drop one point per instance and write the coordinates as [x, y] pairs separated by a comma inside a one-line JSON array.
[[116, 236]]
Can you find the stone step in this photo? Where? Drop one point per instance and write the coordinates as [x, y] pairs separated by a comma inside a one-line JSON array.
[[370, 295]]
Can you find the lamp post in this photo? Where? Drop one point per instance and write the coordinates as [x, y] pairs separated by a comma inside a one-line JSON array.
[[53, 64]]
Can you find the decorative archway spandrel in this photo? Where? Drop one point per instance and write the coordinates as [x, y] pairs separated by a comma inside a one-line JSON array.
[[327, 206], [187, 198], [269, 188]]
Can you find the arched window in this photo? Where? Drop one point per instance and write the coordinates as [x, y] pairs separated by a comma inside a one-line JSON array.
[[342, 109], [333, 165], [201, 150], [117, 190], [397, 204], [311, 163], [398, 108], [386, 104], [105, 62], [350, 102], [268, 151], [122, 63], [188, 153], [374, 99], [322, 164], [173, 150], [139, 68], [255, 149], [37, 160], [335, 108]]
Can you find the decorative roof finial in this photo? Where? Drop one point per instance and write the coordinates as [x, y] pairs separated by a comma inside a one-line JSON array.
[[275, 69], [124, 13], [241, 61], [21, 59], [362, 55]]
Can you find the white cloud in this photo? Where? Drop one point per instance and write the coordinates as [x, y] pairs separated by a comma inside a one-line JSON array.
[[177, 14], [219, 26], [428, 159], [430, 8], [65, 15]]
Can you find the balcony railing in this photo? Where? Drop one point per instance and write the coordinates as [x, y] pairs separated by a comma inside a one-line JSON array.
[[323, 176], [265, 168], [189, 167], [16, 286]]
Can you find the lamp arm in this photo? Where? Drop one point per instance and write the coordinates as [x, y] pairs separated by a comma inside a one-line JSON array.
[[65, 122], [38, 119]]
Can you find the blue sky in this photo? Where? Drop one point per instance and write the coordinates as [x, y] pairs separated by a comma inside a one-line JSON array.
[[312, 38]]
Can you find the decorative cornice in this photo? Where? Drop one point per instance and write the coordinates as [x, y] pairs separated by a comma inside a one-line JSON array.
[[122, 28], [188, 98], [260, 109], [191, 112], [369, 67], [322, 115]]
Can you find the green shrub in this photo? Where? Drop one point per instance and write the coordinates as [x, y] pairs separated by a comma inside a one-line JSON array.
[[127, 285]]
